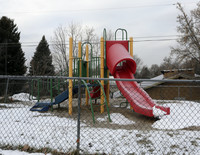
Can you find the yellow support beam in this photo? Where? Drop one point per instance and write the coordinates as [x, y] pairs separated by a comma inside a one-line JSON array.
[[80, 60], [131, 46], [102, 74], [131, 52], [87, 70], [70, 74]]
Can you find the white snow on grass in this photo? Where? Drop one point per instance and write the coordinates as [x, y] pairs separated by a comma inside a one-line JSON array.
[[182, 115], [121, 141], [22, 97], [117, 118], [117, 94], [16, 152], [158, 112], [19, 126]]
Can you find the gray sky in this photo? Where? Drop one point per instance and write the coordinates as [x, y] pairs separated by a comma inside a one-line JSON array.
[[142, 19]]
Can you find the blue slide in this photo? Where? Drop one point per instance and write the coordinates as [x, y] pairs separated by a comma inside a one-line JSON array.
[[42, 107]]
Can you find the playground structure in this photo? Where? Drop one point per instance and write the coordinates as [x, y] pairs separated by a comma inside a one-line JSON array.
[[117, 59]]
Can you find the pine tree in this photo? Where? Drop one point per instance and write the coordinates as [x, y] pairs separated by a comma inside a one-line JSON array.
[[41, 63], [12, 60]]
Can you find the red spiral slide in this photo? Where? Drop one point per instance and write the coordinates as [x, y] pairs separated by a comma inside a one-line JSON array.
[[122, 66]]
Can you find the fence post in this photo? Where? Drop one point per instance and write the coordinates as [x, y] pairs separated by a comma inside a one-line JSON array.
[[6, 93], [79, 114]]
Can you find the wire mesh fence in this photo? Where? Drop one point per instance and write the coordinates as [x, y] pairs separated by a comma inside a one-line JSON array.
[[143, 116]]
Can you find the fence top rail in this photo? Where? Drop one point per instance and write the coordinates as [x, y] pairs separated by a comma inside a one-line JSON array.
[[89, 78]]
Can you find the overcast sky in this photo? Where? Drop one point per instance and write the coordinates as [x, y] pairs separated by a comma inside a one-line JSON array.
[[142, 19]]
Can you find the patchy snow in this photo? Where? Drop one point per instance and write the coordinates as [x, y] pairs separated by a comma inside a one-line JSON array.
[[158, 112], [22, 97], [117, 94], [120, 119], [112, 82], [102, 119], [117, 118], [182, 115], [25, 127], [16, 152], [19, 126]]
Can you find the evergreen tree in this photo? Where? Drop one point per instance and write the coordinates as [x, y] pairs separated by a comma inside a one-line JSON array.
[[12, 60], [41, 63]]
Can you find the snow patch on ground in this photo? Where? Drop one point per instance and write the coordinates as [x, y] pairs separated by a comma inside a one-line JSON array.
[[22, 97], [117, 94], [120, 119], [158, 112], [182, 115], [19, 126], [117, 118]]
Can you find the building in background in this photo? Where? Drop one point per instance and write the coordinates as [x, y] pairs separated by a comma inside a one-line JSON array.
[[174, 90]]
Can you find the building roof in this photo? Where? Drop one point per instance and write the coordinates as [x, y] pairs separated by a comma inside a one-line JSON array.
[[177, 70], [175, 74], [148, 84]]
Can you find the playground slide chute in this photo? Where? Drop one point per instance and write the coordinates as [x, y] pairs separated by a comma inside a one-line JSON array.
[[44, 106], [140, 101]]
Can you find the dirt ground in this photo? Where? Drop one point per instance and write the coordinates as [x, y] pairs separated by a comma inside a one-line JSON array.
[[141, 122]]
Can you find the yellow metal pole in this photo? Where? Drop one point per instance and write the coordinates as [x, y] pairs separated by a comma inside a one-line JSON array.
[[102, 74], [87, 71], [70, 74], [80, 60], [108, 89], [131, 46], [131, 52]]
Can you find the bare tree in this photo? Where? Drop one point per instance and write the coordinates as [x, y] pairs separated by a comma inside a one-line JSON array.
[[154, 70], [90, 36], [145, 73], [110, 35], [138, 61], [189, 27], [139, 64], [60, 56], [60, 45], [78, 33], [75, 31]]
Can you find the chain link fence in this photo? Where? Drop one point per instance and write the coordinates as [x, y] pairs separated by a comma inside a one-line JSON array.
[[118, 130]]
